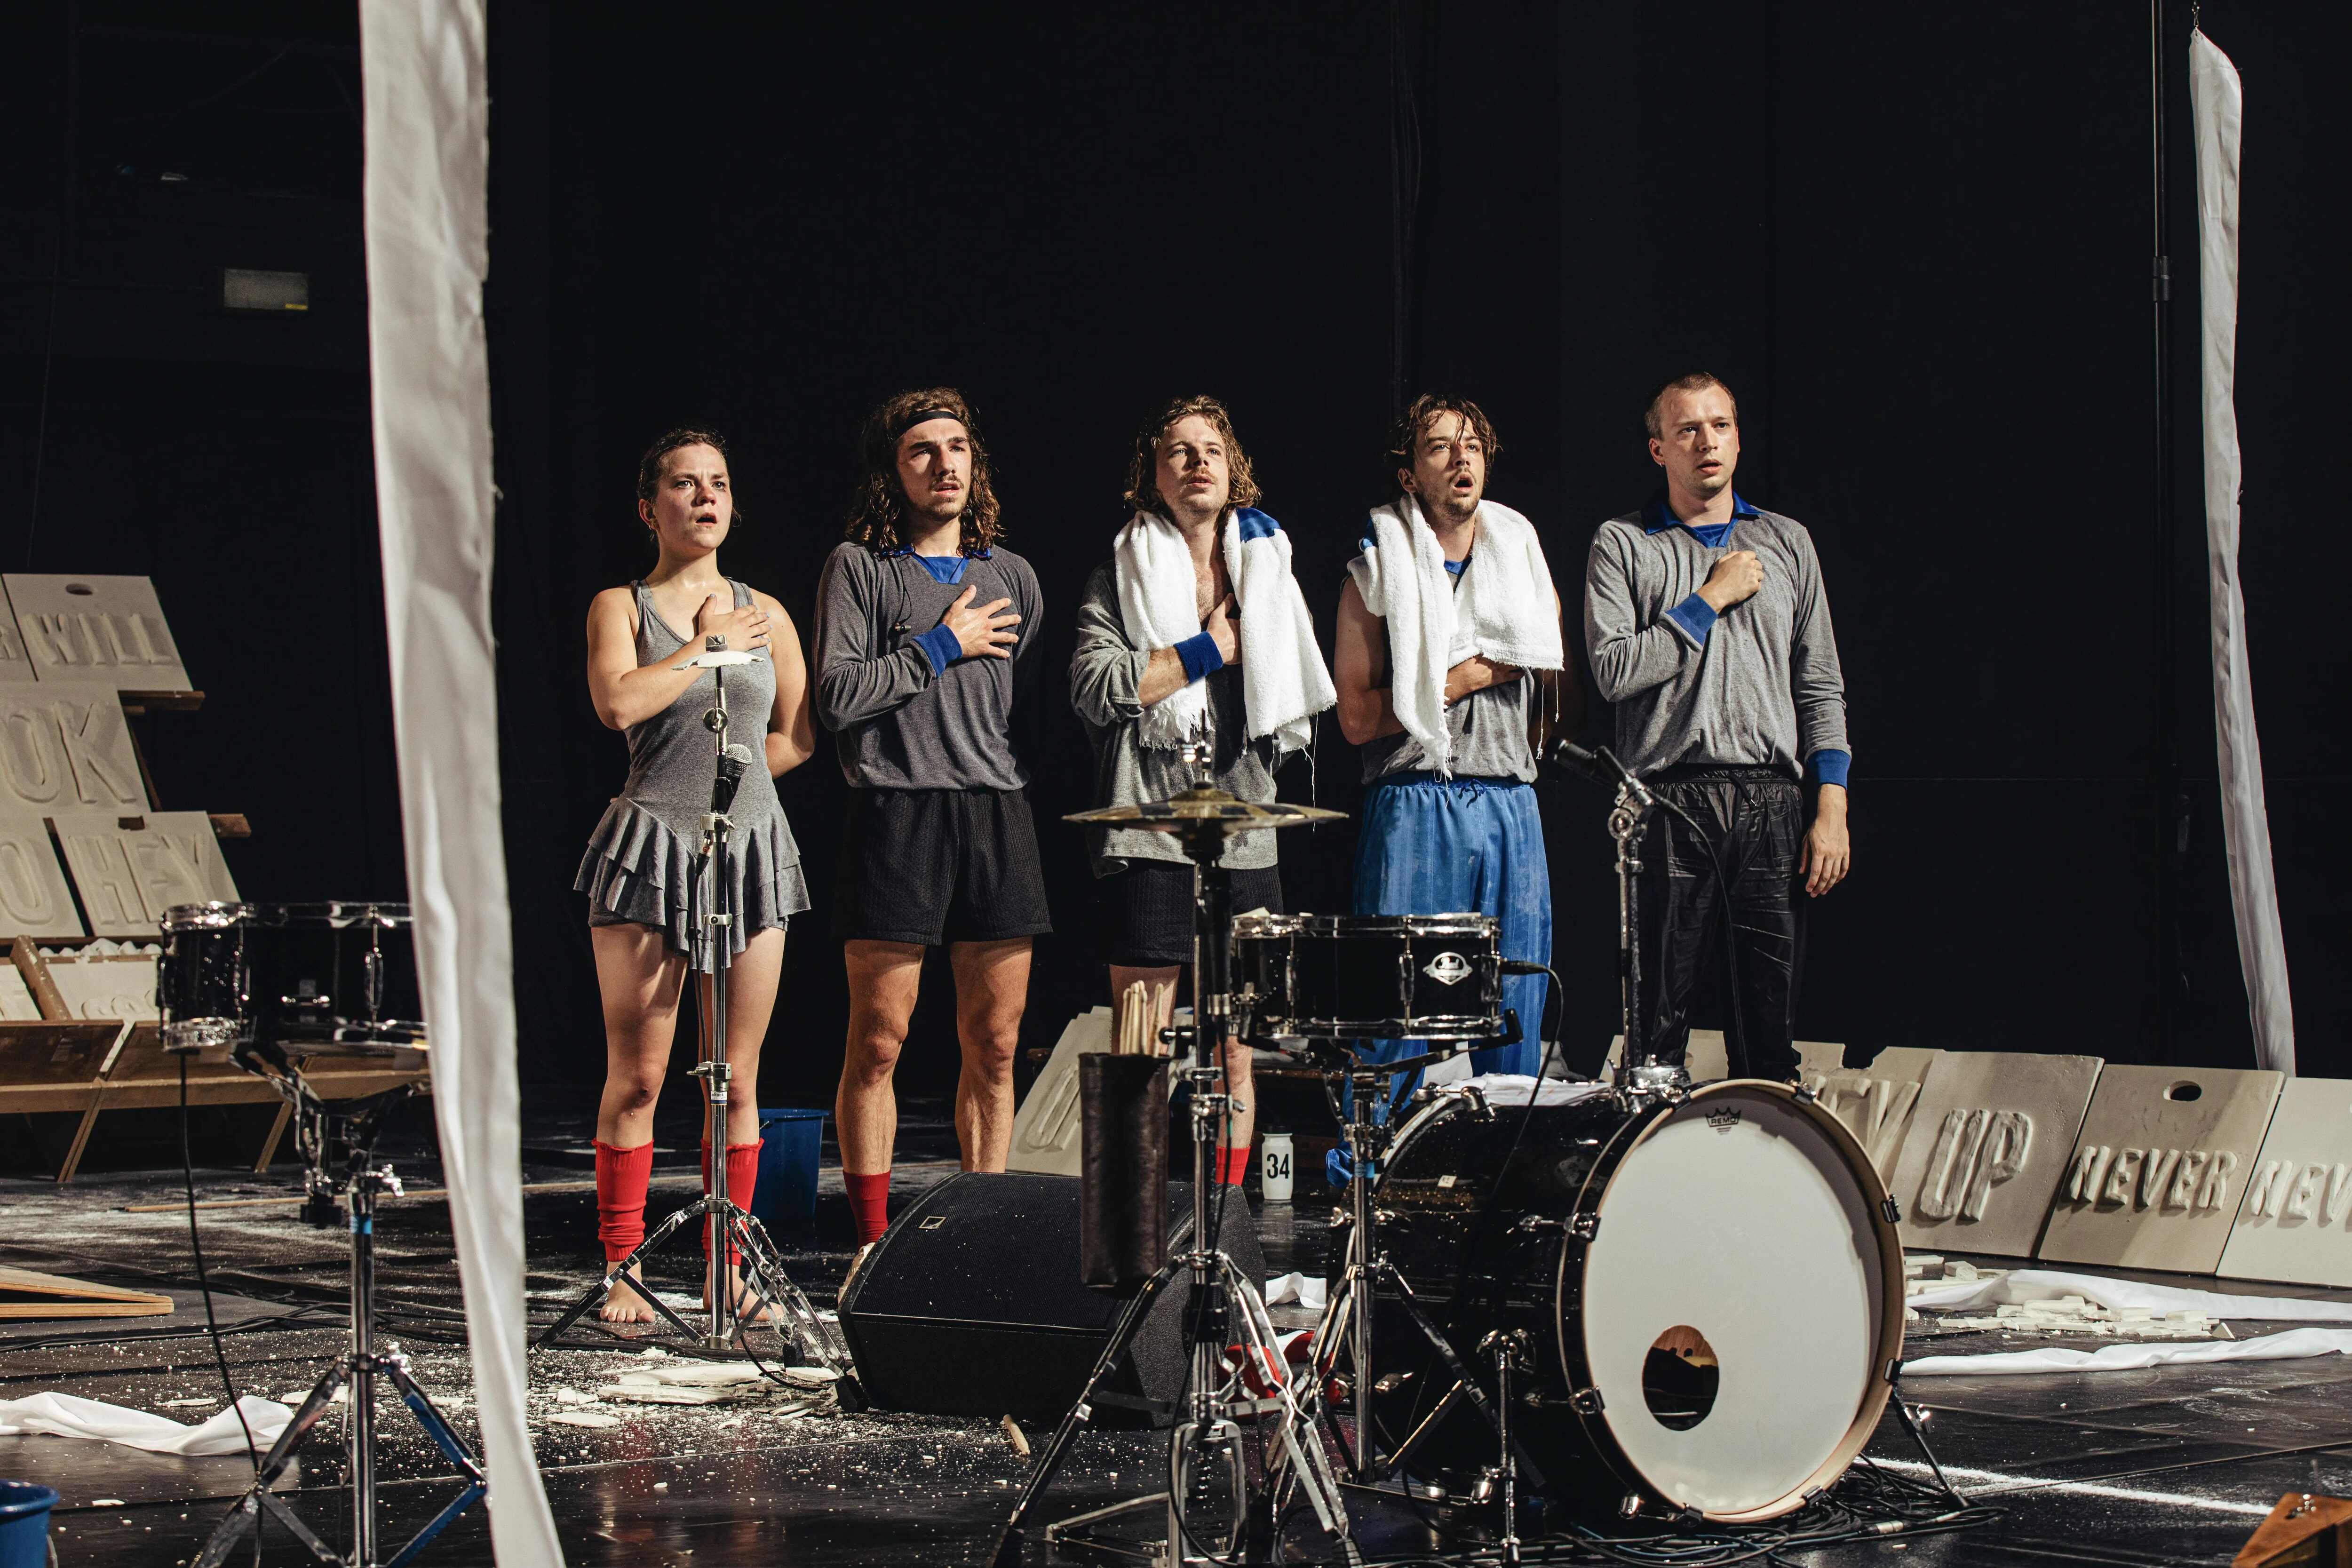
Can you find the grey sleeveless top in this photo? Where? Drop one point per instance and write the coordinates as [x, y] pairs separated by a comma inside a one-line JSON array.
[[640, 859]]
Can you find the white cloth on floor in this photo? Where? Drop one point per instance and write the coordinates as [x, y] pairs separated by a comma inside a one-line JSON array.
[[1284, 681], [1503, 608], [70, 1415], [2050, 1285], [1307, 1290], [1512, 1089], [2133, 1358]]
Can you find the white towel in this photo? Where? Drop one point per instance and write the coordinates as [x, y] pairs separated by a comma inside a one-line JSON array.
[[1284, 681], [70, 1416], [1503, 609]]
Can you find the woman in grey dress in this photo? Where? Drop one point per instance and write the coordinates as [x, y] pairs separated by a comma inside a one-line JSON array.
[[637, 868]]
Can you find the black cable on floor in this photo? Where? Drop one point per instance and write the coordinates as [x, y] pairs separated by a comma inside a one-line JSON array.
[[196, 1247]]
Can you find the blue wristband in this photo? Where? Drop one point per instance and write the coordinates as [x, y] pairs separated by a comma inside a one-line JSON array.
[[1829, 767], [1200, 656], [940, 646], [1696, 616]]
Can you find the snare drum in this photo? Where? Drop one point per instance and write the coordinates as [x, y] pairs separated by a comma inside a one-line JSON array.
[[319, 977], [1369, 977]]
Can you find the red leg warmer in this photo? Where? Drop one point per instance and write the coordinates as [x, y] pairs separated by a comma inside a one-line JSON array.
[[870, 1204], [621, 1178]]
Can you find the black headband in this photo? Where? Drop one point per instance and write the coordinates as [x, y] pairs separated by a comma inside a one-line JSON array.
[[924, 416]]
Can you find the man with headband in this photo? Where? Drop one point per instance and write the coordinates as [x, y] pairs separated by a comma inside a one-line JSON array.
[[1449, 659], [924, 641]]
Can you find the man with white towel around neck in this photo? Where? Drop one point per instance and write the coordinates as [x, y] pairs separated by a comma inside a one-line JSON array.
[[1165, 652], [1710, 629], [1451, 674]]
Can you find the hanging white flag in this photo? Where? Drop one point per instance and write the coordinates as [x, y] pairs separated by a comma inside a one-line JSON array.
[[2216, 98]]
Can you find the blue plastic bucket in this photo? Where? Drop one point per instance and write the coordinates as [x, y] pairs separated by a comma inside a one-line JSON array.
[[786, 1193], [25, 1524]]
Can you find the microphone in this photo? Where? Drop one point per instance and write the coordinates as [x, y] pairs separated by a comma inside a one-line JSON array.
[[1516, 966], [730, 776], [1599, 764]]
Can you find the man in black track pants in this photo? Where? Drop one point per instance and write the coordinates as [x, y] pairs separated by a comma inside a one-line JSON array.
[[1709, 627]]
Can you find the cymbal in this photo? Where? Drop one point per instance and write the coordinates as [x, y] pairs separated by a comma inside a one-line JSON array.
[[1207, 809]]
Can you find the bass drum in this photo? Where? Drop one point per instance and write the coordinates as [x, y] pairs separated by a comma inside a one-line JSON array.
[[1713, 1291]]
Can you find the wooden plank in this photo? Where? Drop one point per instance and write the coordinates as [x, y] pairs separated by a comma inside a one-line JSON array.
[[25, 1294]]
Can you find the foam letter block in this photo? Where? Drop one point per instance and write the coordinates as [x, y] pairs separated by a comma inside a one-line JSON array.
[[106, 986], [2294, 1221], [1875, 1101], [34, 899], [128, 875], [2157, 1176], [16, 659], [1985, 1147], [64, 746], [107, 629], [1047, 1125]]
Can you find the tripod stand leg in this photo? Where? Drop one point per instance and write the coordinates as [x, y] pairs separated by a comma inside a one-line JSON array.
[[596, 1292], [1468, 1385], [764, 1272], [247, 1515], [1049, 1459]]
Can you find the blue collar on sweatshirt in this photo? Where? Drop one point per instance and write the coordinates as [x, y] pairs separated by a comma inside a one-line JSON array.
[[1657, 519], [943, 568]]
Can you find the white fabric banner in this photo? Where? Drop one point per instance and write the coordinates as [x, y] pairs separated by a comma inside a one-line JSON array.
[[2050, 1285], [2285, 1346], [423, 70], [2216, 99]]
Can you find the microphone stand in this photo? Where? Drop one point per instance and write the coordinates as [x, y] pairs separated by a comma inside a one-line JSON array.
[[732, 1230], [1649, 1079]]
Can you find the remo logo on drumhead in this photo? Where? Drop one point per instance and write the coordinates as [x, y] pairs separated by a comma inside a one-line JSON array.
[[1447, 969]]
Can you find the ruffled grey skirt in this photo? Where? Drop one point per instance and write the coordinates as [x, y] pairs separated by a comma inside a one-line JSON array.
[[638, 871]]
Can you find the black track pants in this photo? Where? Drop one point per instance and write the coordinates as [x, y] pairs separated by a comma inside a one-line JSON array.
[[1755, 819]]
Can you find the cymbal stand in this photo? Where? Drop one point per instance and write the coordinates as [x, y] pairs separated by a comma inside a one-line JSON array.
[[733, 1231], [1220, 1297], [353, 1128], [1637, 1083]]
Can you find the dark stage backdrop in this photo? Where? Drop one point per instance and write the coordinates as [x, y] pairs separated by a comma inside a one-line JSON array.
[[1916, 243]]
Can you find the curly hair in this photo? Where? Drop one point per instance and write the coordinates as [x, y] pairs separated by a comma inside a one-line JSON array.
[[1697, 381], [1406, 433], [1143, 467], [657, 459], [878, 511]]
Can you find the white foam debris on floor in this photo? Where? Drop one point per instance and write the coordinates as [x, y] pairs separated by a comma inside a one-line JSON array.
[[675, 1381], [1927, 1274]]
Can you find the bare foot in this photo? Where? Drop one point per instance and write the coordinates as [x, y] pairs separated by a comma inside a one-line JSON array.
[[624, 1304], [747, 1302]]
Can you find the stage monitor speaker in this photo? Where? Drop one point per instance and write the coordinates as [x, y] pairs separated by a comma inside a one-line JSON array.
[[971, 1305]]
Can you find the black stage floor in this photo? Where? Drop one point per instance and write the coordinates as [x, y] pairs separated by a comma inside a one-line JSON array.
[[2168, 1466]]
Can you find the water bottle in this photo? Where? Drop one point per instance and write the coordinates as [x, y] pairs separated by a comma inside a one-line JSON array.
[[1273, 1172]]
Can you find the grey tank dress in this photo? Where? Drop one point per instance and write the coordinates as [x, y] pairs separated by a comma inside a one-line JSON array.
[[640, 861]]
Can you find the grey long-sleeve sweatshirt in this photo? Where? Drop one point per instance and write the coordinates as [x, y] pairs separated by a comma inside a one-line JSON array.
[[1106, 680], [900, 721], [1759, 684]]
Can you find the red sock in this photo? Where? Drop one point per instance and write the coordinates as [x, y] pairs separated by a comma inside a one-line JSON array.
[[743, 1177], [870, 1204], [1232, 1165], [621, 1178]]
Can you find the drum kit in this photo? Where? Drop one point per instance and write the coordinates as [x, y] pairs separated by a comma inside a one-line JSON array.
[[1638, 1298]]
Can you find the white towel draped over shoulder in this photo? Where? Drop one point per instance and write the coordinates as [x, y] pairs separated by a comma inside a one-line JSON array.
[[1284, 681], [1503, 608]]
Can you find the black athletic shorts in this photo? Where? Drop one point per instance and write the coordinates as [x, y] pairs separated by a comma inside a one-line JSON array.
[[933, 866], [1147, 909]]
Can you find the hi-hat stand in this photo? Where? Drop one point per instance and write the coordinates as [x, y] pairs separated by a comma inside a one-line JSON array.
[[1648, 1079], [1208, 1438], [352, 1128], [733, 1231]]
